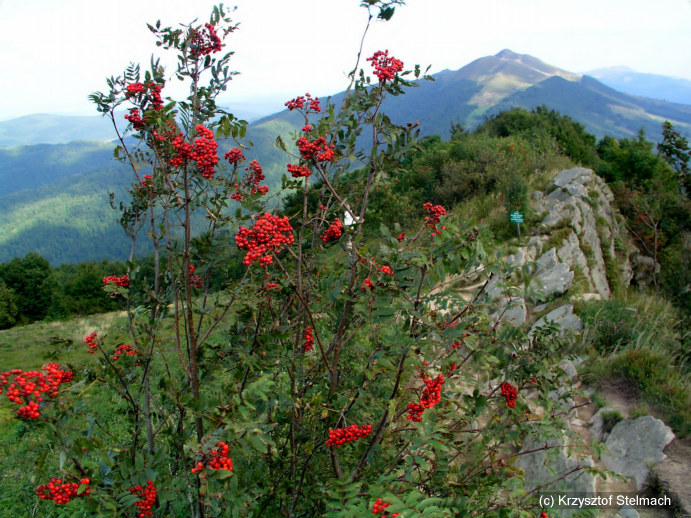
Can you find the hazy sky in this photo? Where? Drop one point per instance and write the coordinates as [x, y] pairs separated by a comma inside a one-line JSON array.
[[55, 52]]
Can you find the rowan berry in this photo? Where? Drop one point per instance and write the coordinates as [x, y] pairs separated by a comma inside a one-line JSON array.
[[334, 231], [123, 282], [341, 436], [204, 41], [385, 67], [309, 340], [431, 395], [435, 212], [148, 498], [268, 236], [510, 393], [92, 342], [378, 509], [61, 493], [298, 171]]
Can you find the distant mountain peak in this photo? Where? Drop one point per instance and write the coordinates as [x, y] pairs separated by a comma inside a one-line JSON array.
[[508, 54], [506, 73]]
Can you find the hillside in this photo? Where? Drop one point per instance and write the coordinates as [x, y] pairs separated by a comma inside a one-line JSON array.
[[47, 190], [506, 80]]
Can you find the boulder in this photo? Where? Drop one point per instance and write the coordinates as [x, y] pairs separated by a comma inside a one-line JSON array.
[[562, 316], [634, 444], [544, 466], [575, 174], [551, 277]]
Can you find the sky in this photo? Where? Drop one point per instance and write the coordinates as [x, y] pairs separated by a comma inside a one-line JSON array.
[[54, 53]]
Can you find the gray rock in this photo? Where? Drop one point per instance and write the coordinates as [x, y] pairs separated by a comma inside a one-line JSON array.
[[544, 466], [551, 277], [515, 312], [569, 368], [597, 423], [577, 174], [576, 189], [570, 253], [626, 512], [557, 196], [540, 308], [634, 445], [562, 316]]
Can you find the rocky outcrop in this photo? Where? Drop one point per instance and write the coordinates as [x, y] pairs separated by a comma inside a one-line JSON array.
[[634, 445]]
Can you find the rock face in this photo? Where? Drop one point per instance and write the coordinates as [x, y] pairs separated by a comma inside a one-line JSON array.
[[562, 316], [551, 277], [582, 202], [544, 466], [634, 445]]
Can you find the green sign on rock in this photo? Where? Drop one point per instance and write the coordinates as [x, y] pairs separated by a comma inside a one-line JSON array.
[[516, 217]]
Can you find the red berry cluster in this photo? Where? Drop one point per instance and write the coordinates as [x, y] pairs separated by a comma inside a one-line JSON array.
[[431, 395], [127, 350], [218, 459], [269, 235], [61, 492], [334, 231], [385, 67], [205, 41], [253, 177], [147, 96], [28, 388], [92, 342], [300, 101], [456, 345], [341, 436], [316, 150], [510, 393], [146, 183], [135, 118], [435, 212], [204, 151], [234, 156], [134, 89], [386, 269], [123, 282], [378, 509], [298, 171], [195, 280], [309, 340], [148, 498], [368, 284]]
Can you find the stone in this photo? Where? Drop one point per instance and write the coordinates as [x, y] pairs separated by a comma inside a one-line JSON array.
[[562, 316], [514, 312], [541, 467], [575, 174], [551, 277], [635, 444], [569, 368], [673, 475], [626, 512], [597, 423]]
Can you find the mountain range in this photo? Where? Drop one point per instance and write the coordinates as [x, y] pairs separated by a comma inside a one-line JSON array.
[[654, 86], [53, 197]]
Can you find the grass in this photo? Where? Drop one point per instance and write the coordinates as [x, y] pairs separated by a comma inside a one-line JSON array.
[[636, 340], [31, 346]]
